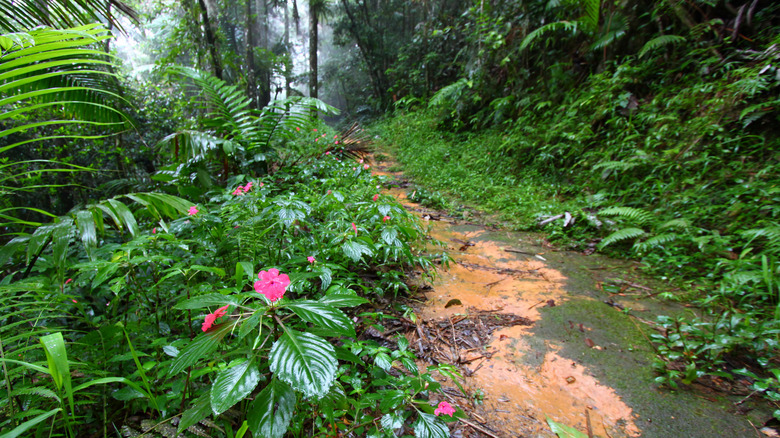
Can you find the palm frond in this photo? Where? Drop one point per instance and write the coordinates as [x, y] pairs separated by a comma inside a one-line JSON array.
[[17, 15]]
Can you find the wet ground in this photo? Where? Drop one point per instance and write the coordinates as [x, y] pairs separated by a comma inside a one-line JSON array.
[[544, 334]]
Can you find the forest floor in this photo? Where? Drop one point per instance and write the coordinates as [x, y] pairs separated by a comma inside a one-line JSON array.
[[540, 334]]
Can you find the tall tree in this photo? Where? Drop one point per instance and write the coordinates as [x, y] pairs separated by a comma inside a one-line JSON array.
[[211, 39]]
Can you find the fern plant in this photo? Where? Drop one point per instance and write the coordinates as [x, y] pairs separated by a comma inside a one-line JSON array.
[[236, 134]]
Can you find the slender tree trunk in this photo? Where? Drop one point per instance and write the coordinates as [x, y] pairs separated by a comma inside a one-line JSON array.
[[288, 64], [313, 37], [211, 39], [251, 26], [264, 73]]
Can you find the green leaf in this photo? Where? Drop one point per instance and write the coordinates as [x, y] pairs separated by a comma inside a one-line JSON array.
[[270, 414], [305, 361], [201, 346], [342, 299], [429, 426], [250, 323], [391, 422], [22, 428], [57, 357], [564, 431], [355, 250], [625, 233], [212, 270], [233, 385], [199, 410], [323, 315], [207, 300]]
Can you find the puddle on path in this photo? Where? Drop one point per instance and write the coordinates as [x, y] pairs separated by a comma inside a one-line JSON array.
[[523, 376]]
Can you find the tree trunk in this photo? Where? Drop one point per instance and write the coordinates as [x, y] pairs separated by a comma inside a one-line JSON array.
[[251, 26], [288, 64], [264, 72], [313, 37], [211, 39]]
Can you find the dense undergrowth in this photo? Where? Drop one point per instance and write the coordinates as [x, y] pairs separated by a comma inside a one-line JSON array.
[[135, 314], [678, 169]]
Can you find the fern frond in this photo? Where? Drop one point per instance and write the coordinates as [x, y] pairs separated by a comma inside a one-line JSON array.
[[679, 223], [624, 234], [639, 216], [661, 41], [771, 234], [569, 26], [658, 240], [592, 12], [448, 94]]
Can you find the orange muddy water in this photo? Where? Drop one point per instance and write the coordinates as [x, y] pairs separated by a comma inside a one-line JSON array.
[[519, 378]]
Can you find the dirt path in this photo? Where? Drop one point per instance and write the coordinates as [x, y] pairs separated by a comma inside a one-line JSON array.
[[529, 329]]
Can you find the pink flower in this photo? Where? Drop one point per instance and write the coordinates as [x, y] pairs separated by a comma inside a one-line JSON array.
[[386, 218], [375, 197], [192, 211], [335, 137], [239, 191], [315, 130], [311, 259], [329, 192], [366, 166], [444, 408], [360, 161], [211, 317], [298, 129], [68, 280], [154, 230], [317, 139], [336, 142], [248, 187], [327, 153], [354, 227], [272, 284], [261, 184], [75, 301]]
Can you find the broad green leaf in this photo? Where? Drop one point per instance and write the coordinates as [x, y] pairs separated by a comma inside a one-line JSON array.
[[22, 428], [391, 422], [216, 271], [391, 399], [270, 414], [207, 300], [57, 357], [233, 385], [429, 426], [390, 237], [87, 229], [355, 250], [342, 300], [200, 347], [382, 360], [323, 315], [199, 410], [307, 362], [564, 431]]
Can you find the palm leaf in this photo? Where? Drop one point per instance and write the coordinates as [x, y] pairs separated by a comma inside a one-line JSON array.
[[16, 15]]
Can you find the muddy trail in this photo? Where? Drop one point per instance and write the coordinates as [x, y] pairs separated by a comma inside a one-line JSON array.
[[540, 334]]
